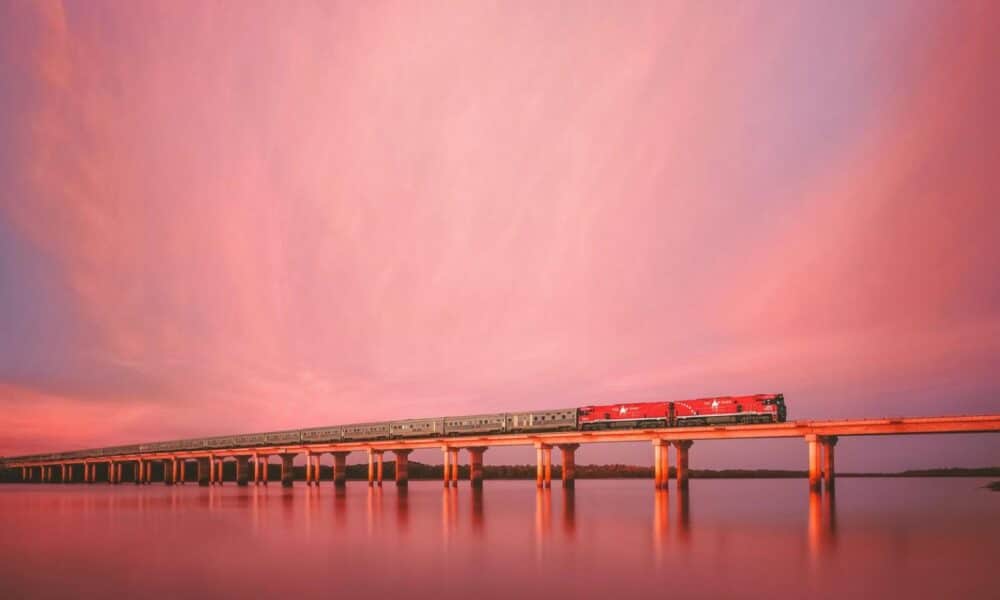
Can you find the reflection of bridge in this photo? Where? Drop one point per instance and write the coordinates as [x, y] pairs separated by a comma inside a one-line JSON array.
[[252, 462]]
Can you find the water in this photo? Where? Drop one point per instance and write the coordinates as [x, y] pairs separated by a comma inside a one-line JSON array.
[[877, 538]]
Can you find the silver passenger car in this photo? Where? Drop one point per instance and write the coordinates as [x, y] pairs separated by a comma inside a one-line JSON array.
[[283, 437], [365, 431], [542, 420], [416, 428], [322, 434], [471, 424]]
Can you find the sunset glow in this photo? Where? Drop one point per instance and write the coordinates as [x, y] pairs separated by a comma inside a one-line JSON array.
[[227, 217]]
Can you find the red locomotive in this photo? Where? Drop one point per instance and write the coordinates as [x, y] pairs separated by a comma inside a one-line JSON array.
[[759, 408]]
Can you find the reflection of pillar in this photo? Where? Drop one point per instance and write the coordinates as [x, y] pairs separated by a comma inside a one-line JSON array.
[[204, 470], [378, 456], [476, 467], [242, 470], [682, 463], [829, 474], [287, 472], [569, 511], [814, 466], [445, 472], [568, 452], [371, 468], [402, 467], [340, 469], [661, 515]]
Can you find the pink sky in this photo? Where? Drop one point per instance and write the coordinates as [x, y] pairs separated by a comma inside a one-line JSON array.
[[236, 216]]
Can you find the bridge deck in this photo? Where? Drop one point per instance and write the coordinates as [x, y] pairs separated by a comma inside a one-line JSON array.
[[801, 429]]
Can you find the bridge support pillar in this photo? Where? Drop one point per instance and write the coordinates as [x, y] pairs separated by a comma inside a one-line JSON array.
[[813, 444], [380, 466], [661, 464], [149, 472], [829, 474], [402, 467], [309, 468], [118, 473], [63, 473], [287, 469], [445, 471], [169, 470], [340, 469], [264, 464], [543, 473], [476, 467], [568, 452], [256, 469], [371, 468], [204, 470], [243, 470], [682, 447], [454, 467]]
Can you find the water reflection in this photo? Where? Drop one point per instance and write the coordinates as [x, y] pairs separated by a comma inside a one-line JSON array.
[[543, 519], [661, 518], [402, 508], [477, 511], [822, 528], [449, 511], [684, 514], [569, 512], [374, 505]]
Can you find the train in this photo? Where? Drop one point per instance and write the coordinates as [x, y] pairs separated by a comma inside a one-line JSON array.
[[720, 410]]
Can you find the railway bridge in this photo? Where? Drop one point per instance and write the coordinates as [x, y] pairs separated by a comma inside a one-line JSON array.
[[252, 462]]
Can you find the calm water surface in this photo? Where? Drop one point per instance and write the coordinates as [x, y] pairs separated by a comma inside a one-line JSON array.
[[917, 538]]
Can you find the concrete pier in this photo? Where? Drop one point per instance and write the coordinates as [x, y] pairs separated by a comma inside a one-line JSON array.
[[454, 467], [371, 468], [340, 469], [204, 471], [287, 470], [445, 471], [568, 452], [242, 469], [829, 473], [661, 464], [476, 466], [682, 447], [543, 473], [402, 467], [265, 462], [309, 468], [812, 442], [380, 467]]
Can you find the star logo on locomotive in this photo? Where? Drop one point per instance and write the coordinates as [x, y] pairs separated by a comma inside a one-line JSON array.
[[715, 405], [622, 410]]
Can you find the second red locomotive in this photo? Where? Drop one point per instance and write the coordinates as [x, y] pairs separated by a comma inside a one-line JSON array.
[[759, 408]]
